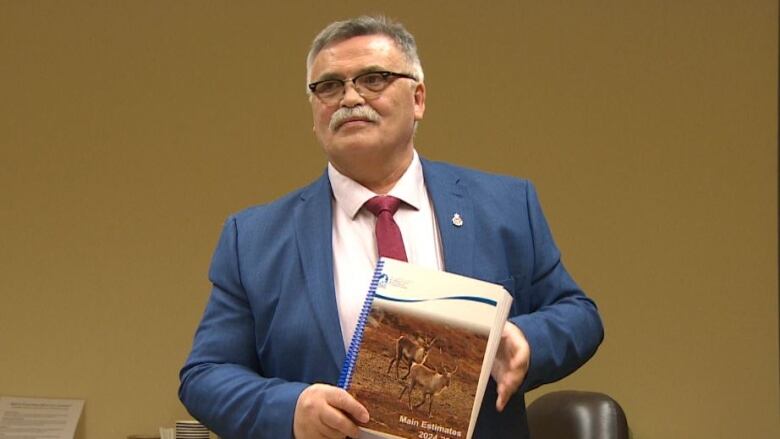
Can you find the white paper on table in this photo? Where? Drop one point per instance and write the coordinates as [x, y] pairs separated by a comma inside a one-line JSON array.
[[40, 418]]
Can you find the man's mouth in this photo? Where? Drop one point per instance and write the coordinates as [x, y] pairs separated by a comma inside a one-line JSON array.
[[354, 121]]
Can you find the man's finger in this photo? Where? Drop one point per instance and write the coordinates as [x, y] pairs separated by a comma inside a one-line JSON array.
[[342, 400], [511, 364], [506, 388], [337, 421], [326, 431], [326, 412], [501, 400]]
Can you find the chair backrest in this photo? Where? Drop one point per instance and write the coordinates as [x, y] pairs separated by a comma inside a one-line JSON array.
[[569, 414]]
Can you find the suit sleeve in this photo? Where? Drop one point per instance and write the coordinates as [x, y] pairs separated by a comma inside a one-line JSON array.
[[221, 382], [563, 328]]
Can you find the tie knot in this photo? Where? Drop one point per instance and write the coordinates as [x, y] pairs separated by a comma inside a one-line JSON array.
[[382, 203]]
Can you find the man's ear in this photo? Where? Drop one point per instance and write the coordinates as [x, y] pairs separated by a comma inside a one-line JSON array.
[[419, 101]]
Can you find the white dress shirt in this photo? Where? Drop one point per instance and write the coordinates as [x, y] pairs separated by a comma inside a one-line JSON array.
[[354, 241]]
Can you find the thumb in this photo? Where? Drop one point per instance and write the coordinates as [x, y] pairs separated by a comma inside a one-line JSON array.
[[501, 400]]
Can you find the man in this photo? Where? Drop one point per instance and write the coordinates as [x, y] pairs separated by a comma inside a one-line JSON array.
[[289, 277]]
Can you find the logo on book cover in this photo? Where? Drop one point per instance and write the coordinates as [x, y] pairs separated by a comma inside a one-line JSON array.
[[385, 280]]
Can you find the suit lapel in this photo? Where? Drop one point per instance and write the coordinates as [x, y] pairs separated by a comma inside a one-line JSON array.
[[450, 198], [313, 228]]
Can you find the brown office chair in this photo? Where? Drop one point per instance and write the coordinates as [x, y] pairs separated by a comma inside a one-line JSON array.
[[569, 414]]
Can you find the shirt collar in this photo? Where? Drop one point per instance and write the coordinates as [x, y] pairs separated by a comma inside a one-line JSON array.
[[351, 195]]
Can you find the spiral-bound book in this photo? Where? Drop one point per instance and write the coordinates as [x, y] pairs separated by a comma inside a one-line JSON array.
[[422, 353]]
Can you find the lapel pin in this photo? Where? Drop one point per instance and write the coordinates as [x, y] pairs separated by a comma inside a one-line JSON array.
[[457, 221]]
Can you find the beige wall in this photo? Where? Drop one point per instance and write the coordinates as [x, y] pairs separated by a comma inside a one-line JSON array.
[[129, 130]]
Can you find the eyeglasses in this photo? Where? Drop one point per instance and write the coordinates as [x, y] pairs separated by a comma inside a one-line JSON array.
[[368, 85]]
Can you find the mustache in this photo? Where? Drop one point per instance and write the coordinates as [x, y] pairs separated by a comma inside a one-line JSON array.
[[344, 114]]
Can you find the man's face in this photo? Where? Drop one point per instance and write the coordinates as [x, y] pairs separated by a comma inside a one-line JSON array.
[[398, 107]]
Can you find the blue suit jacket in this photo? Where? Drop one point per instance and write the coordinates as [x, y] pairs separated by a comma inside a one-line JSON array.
[[271, 326]]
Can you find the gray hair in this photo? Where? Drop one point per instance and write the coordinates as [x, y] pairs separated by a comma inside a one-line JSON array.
[[366, 25]]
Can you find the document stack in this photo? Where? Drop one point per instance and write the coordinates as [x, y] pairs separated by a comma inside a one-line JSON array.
[[191, 430]]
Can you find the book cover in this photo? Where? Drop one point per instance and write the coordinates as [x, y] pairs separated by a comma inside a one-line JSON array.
[[423, 351]]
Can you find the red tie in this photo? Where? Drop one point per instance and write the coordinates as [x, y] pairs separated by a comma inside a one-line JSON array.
[[388, 236]]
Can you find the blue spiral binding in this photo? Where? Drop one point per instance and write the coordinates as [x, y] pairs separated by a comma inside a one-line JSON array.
[[348, 367]]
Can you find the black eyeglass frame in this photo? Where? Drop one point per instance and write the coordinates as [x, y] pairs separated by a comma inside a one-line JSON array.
[[384, 73]]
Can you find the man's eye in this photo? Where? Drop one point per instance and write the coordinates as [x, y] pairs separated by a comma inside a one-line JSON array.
[[372, 79], [328, 86]]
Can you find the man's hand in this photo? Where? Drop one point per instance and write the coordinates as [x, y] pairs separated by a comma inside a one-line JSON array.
[[511, 363], [324, 411]]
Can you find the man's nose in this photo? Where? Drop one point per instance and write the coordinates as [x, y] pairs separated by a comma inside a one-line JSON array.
[[351, 96]]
